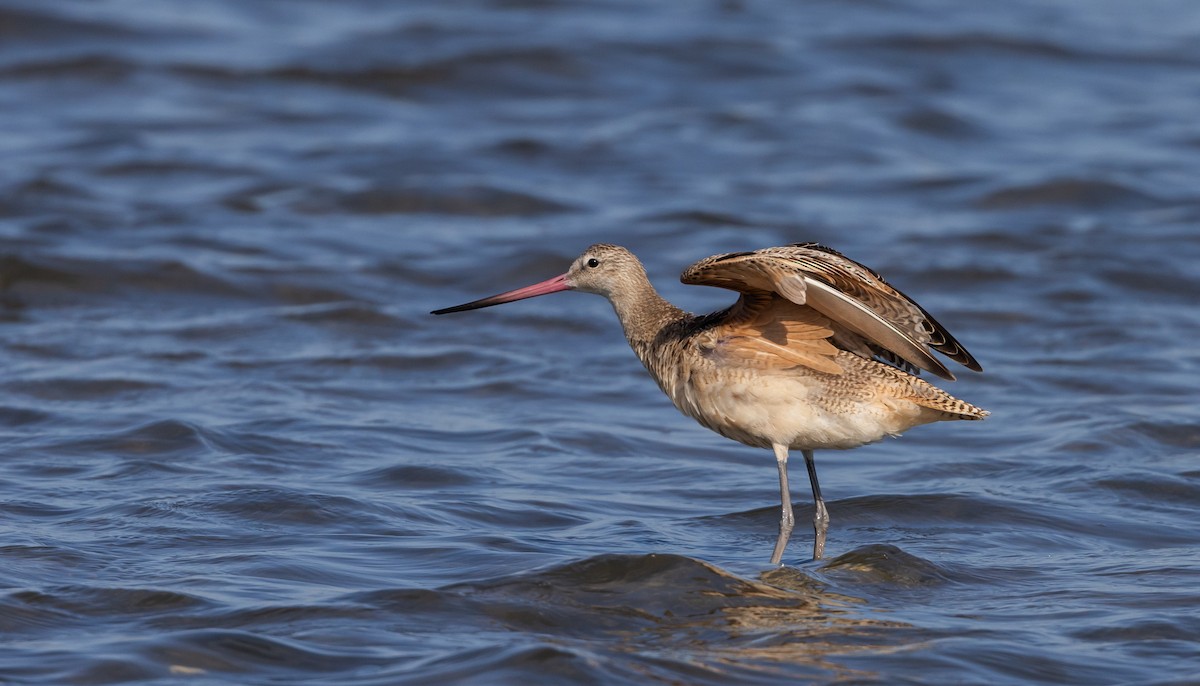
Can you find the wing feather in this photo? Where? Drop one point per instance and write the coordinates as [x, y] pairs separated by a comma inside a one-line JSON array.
[[765, 331], [759, 352], [861, 312]]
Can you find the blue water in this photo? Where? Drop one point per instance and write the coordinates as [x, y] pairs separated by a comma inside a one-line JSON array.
[[235, 447]]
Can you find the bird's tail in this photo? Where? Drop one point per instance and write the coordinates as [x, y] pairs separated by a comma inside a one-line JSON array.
[[934, 398]]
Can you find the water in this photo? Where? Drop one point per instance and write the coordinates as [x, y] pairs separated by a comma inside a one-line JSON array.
[[237, 449]]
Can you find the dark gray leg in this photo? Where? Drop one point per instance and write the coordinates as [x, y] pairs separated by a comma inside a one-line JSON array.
[[821, 516], [786, 519]]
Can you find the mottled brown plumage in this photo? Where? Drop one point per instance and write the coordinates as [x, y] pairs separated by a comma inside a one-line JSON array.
[[819, 352]]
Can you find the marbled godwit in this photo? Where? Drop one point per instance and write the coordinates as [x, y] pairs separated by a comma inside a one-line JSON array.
[[818, 352]]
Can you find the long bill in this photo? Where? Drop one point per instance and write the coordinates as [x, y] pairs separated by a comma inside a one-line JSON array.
[[558, 283]]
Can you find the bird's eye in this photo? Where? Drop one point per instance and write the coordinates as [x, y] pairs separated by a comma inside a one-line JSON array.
[[593, 263]]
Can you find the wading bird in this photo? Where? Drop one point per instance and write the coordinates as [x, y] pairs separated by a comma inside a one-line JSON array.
[[819, 352]]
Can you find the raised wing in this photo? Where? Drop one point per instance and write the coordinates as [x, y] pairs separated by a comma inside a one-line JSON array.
[[763, 330], [861, 311]]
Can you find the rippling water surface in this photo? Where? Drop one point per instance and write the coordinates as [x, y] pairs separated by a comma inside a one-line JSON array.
[[237, 449]]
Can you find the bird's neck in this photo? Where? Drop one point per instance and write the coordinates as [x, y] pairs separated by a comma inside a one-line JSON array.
[[644, 314], [653, 327]]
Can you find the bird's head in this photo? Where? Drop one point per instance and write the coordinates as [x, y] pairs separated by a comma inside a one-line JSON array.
[[603, 269]]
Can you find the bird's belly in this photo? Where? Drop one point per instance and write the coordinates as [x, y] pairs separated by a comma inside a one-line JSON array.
[[798, 411]]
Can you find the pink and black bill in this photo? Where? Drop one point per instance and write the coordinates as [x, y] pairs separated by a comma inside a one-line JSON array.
[[558, 283]]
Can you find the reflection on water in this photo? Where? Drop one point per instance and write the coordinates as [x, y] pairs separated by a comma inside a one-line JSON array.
[[236, 447], [659, 615]]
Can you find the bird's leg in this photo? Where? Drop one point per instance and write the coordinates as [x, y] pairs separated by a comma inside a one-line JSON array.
[[786, 519], [821, 516]]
